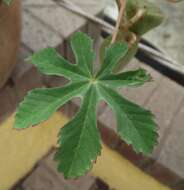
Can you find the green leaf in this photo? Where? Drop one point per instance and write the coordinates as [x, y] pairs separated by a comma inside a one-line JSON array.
[[80, 140], [122, 36], [152, 18], [130, 78], [8, 2], [40, 104], [135, 124], [82, 47], [113, 54], [50, 62]]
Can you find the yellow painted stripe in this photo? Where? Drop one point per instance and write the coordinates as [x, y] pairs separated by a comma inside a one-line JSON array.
[[121, 174], [20, 150]]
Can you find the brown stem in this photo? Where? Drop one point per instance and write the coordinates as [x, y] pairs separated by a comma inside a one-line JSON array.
[[118, 23], [139, 14]]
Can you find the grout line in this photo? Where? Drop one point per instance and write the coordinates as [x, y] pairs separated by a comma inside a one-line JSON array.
[[43, 23], [27, 48], [167, 131], [153, 91]]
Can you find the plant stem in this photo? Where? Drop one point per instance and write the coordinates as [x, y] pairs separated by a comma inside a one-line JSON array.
[[139, 14], [118, 23]]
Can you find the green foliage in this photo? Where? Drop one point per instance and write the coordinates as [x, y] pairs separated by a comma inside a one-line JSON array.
[[79, 140], [141, 17], [7, 2], [121, 37], [135, 124], [151, 18]]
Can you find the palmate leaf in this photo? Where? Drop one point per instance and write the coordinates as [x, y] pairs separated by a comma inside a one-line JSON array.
[[40, 104], [135, 124], [49, 62], [129, 78], [82, 137], [113, 55], [122, 36], [79, 140], [84, 54]]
